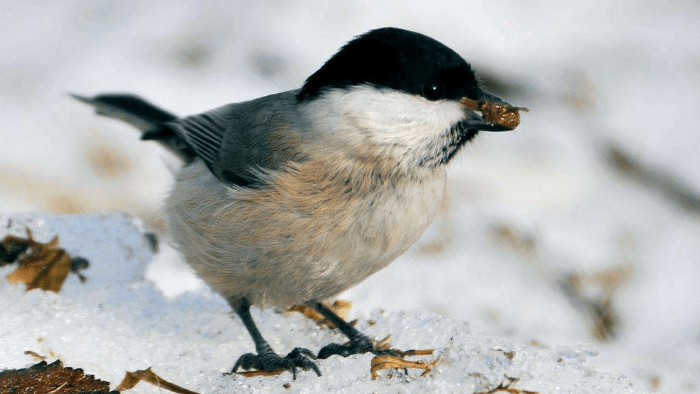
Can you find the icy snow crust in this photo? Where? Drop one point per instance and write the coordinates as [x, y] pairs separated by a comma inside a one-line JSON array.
[[119, 321]]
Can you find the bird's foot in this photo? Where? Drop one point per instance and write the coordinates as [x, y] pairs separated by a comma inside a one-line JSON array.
[[359, 344], [385, 356], [267, 363]]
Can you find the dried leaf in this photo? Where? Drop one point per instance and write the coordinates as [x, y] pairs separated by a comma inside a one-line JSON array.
[[383, 344], [339, 307], [40, 265], [36, 355], [51, 378], [506, 388], [251, 374], [393, 362], [131, 379]]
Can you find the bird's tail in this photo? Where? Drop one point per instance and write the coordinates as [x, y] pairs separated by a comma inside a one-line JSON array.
[[151, 120]]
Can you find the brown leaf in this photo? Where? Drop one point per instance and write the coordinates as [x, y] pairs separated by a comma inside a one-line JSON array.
[[252, 374], [54, 378], [36, 355], [506, 388], [40, 265], [392, 362], [340, 307], [131, 379], [382, 362]]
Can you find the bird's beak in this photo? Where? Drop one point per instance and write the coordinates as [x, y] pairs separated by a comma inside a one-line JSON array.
[[491, 113]]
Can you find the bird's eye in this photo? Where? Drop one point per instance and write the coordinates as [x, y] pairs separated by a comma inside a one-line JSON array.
[[433, 91]]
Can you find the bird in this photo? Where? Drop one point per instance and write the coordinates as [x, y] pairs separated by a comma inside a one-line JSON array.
[[294, 197]]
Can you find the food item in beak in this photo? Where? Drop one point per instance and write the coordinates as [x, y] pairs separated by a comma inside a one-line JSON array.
[[498, 113]]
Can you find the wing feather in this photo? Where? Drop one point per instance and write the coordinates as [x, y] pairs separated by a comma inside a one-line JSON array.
[[238, 139]]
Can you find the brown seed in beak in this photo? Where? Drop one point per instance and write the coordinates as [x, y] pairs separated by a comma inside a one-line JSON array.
[[498, 113]]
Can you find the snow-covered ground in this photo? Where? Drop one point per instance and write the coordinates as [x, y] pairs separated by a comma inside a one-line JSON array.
[[119, 321], [592, 205]]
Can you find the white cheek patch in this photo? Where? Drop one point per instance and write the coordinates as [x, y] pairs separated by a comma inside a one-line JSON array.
[[385, 117]]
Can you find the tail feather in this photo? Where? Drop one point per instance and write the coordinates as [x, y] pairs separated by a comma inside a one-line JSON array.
[[151, 120]]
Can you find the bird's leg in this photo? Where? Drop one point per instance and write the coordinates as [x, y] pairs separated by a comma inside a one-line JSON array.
[[266, 360], [359, 343]]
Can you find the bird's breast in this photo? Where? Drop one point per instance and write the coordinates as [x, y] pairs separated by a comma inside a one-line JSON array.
[[313, 232]]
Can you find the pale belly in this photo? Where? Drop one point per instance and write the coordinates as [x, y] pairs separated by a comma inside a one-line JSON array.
[[298, 243]]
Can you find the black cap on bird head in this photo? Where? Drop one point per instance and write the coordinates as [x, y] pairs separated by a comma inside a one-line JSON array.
[[396, 59]]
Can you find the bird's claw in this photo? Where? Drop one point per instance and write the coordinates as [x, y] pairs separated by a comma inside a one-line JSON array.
[[269, 363], [357, 345]]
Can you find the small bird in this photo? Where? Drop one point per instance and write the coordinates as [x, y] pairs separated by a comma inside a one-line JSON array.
[[294, 197]]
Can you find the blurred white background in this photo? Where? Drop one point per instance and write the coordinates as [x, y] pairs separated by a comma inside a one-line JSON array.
[[583, 226]]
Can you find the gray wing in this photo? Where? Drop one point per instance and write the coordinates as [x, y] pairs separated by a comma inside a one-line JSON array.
[[237, 139]]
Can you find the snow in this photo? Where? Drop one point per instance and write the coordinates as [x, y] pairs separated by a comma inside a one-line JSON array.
[[525, 210], [119, 321]]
